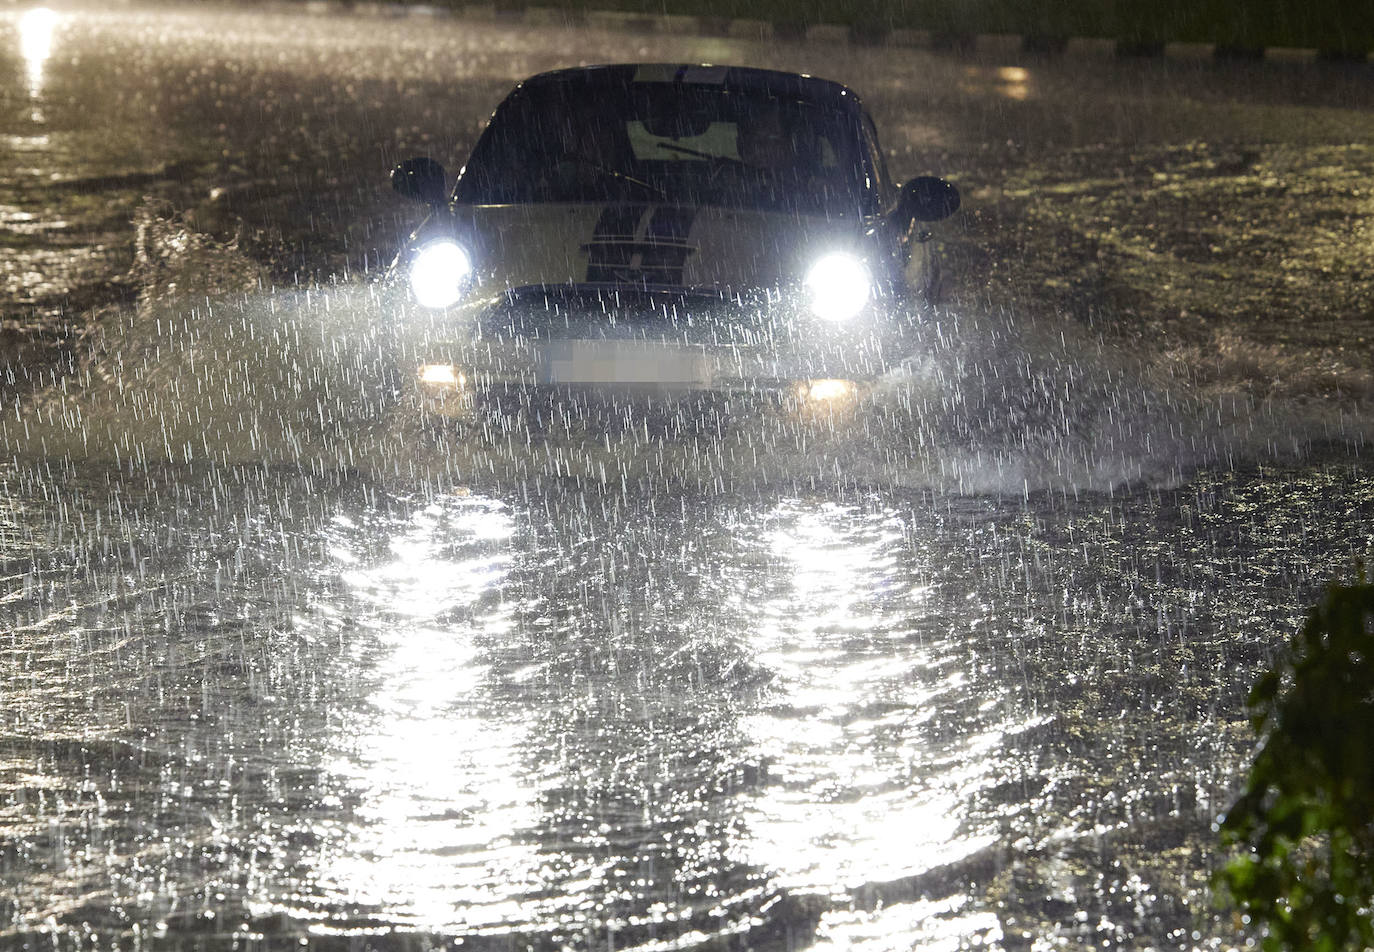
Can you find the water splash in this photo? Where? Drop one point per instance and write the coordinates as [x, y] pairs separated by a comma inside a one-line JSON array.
[[215, 367]]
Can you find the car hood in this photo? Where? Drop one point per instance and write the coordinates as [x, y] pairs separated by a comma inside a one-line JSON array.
[[668, 246]]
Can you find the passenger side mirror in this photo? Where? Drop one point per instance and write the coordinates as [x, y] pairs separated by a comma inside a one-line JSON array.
[[420, 180], [927, 198]]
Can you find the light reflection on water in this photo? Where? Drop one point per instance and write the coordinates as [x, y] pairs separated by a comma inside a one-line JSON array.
[[815, 822], [436, 768], [586, 720], [35, 46], [864, 802]]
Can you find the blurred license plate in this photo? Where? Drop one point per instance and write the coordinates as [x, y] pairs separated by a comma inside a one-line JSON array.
[[622, 361]]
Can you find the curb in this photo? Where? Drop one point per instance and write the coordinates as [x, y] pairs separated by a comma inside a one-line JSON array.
[[979, 44]]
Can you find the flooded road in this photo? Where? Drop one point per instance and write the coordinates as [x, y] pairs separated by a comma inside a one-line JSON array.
[[249, 704], [281, 663]]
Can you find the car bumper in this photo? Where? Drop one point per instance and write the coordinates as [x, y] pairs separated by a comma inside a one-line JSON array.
[[652, 342]]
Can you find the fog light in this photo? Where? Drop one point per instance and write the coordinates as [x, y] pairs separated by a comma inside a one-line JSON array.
[[444, 391], [823, 391], [441, 376]]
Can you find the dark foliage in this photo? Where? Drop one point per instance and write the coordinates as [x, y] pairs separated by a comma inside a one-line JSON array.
[[1305, 820]]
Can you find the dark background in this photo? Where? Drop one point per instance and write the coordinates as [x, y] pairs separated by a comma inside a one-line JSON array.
[[1337, 28]]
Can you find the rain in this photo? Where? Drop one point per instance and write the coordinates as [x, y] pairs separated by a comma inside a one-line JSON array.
[[291, 655]]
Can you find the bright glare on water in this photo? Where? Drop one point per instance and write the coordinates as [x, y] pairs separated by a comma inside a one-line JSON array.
[[320, 707], [35, 44]]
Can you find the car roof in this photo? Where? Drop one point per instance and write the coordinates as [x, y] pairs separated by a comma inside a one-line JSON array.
[[795, 86]]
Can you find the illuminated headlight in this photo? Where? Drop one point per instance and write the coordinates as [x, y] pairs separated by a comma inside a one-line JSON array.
[[439, 272], [839, 285]]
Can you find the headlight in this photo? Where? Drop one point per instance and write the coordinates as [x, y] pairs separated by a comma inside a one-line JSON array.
[[439, 272], [839, 285]]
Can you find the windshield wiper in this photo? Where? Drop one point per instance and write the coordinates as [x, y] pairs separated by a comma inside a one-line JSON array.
[[616, 174], [688, 150]]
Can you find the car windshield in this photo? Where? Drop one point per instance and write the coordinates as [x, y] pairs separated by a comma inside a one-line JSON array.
[[667, 142]]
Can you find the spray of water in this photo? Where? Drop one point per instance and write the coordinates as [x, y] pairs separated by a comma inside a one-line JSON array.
[[215, 367]]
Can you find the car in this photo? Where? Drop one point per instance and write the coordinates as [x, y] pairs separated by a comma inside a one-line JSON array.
[[665, 231]]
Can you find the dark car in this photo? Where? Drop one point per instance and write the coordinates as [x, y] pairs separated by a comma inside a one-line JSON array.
[[666, 228]]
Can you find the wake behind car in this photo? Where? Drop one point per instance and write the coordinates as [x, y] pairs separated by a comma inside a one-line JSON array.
[[669, 230]]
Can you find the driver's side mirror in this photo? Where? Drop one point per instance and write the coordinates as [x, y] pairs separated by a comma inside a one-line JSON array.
[[927, 198], [420, 180]]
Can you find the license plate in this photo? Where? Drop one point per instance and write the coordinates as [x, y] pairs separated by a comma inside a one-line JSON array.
[[622, 362]]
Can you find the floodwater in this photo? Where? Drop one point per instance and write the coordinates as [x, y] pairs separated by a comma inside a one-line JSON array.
[[282, 663]]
